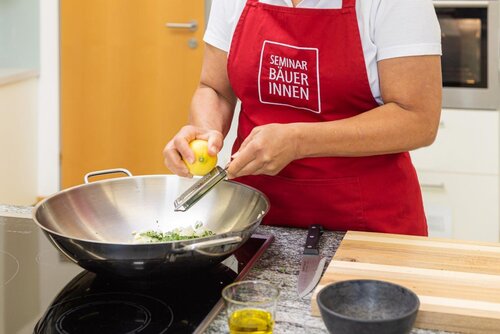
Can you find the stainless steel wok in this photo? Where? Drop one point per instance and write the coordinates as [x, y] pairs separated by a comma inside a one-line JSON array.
[[92, 224]]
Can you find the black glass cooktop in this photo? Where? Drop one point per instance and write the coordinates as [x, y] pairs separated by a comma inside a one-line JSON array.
[[43, 292]]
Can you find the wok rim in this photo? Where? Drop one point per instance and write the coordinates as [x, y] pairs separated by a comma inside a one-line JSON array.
[[116, 179]]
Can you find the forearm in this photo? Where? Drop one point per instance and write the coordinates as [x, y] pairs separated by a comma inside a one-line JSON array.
[[210, 110], [386, 129], [213, 102], [411, 88]]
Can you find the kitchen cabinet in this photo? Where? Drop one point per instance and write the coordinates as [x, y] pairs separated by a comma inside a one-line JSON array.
[[126, 82], [459, 176], [462, 206]]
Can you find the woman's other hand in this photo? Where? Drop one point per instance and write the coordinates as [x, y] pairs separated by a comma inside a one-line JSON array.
[[266, 150], [177, 149]]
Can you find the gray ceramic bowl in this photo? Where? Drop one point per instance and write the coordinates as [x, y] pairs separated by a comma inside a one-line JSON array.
[[368, 307]]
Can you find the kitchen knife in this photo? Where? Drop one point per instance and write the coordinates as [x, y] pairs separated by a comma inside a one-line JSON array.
[[312, 264]]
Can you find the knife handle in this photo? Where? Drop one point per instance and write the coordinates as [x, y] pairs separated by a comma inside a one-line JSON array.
[[313, 234]]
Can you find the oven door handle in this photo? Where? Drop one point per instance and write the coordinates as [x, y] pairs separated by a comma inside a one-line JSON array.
[[460, 4]]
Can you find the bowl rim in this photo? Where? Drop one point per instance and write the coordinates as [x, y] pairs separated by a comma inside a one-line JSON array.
[[407, 314]]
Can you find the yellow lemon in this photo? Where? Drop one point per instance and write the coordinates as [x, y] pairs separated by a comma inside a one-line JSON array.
[[203, 163]]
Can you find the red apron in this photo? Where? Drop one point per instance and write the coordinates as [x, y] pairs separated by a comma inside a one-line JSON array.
[[307, 65]]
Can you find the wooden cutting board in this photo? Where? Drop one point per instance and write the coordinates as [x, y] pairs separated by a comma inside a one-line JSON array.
[[458, 282]]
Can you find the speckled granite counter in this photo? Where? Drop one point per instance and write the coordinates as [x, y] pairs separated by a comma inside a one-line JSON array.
[[16, 211], [279, 264]]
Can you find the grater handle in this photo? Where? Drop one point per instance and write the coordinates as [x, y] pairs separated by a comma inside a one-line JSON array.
[[196, 192]]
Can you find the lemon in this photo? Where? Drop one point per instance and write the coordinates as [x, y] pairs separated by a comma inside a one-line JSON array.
[[203, 163]]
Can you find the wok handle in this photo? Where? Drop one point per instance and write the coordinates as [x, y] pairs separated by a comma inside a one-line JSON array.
[[106, 171], [210, 243]]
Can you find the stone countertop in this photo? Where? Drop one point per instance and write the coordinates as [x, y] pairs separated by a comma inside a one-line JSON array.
[[279, 264], [15, 211]]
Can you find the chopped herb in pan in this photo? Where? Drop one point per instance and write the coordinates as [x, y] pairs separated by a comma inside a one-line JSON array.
[[191, 232]]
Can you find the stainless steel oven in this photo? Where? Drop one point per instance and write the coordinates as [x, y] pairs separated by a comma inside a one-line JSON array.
[[471, 51]]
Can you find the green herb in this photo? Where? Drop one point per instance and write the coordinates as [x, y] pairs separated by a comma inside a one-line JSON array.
[[177, 234], [156, 236]]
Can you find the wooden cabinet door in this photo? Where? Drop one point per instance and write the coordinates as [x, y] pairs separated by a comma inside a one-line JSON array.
[[126, 82]]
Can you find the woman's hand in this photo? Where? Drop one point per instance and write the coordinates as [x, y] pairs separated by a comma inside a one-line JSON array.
[[266, 150], [178, 148]]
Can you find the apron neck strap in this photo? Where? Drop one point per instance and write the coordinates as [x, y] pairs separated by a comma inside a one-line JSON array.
[[348, 3], [345, 3]]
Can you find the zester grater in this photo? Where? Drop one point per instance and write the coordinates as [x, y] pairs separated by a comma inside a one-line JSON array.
[[194, 193]]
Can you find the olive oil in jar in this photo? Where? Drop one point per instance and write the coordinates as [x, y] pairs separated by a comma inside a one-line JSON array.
[[251, 321]]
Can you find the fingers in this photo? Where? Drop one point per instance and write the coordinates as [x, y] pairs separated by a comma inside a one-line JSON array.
[[240, 161], [266, 150], [177, 150], [233, 166], [188, 133], [244, 162], [215, 141], [173, 160], [254, 167], [181, 145]]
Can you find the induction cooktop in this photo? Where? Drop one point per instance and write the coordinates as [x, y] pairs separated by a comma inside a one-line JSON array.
[[41, 291]]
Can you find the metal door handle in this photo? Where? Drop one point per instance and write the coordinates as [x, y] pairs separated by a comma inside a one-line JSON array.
[[193, 25]]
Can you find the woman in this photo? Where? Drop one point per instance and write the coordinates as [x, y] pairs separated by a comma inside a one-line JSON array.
[[334, 94]]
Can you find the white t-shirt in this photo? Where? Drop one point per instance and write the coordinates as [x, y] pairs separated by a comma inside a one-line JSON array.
[[388, 28]]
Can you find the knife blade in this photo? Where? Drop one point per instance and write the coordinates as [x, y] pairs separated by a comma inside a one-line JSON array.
[[312, 263]]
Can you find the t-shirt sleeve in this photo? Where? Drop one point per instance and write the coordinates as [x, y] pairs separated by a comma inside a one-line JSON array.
[[221, 23], [405, 28]]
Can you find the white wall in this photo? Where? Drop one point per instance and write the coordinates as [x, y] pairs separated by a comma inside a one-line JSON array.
[[48, 111], [19, 40], [18, 135], [225, 153]]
